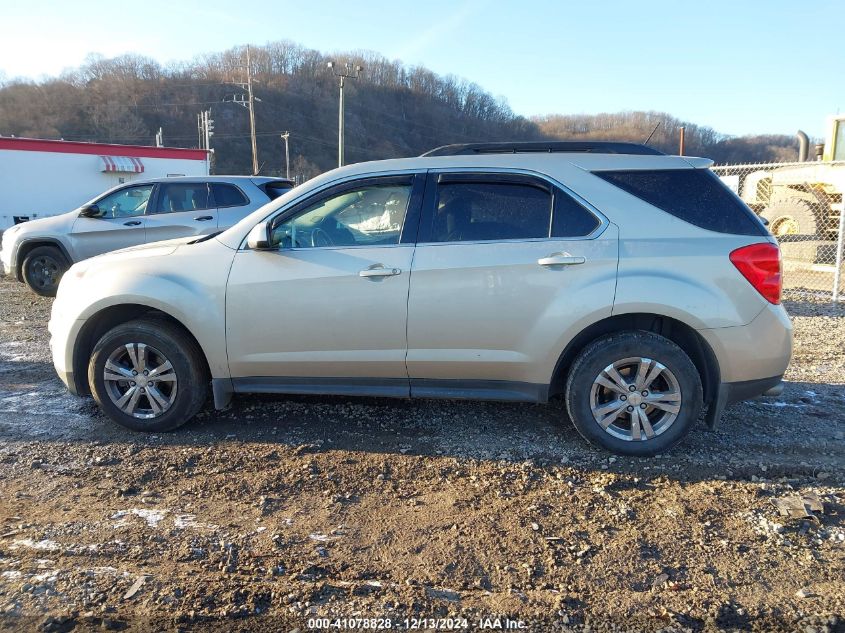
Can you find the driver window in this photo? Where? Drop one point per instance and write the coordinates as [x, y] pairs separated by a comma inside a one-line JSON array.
[[368, 216], [125, 203]]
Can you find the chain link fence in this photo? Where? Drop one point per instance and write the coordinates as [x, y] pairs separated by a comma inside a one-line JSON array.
[[803, 205]]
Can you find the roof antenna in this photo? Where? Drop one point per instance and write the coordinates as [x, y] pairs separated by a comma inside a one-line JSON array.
[[645, 142]]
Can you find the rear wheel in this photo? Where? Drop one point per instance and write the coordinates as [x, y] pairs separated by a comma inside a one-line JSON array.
[[633, 393], [43, 268], [148, 375]]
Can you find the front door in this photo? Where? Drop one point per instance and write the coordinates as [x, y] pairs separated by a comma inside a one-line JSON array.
[[506, 266], [181, 209], [325, 310], [121, 223]]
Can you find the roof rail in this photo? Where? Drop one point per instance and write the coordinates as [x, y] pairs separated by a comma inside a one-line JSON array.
[[595, 147]]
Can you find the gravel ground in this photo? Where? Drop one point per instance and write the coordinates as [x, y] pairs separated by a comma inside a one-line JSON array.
[[281, 510]]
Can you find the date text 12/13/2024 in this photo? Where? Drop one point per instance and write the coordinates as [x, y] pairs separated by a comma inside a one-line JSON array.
[[427, 624]]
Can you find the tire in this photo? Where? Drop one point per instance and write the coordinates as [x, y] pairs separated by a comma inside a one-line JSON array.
[[792, 217], [796, 225], [179, 393], [43, 268], [678, 381]]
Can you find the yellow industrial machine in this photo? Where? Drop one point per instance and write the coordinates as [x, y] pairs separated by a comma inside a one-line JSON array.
[[803, 201]]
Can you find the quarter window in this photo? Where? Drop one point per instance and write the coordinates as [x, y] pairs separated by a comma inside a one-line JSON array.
[[174, 198], [227, 195], [696, 196], [472, 211], [366, 216], [570, 218]]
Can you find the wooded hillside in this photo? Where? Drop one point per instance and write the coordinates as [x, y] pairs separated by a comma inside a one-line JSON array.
[[391, 110]]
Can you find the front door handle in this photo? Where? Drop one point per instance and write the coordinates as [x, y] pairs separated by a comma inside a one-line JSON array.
[[378, 270], [132, 223], [204, 218], [561, 259]]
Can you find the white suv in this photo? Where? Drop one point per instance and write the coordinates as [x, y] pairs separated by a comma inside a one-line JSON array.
[[634, 284], [39, 252]]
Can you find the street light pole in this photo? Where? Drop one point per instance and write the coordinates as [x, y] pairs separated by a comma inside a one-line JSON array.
[[350, 72], [287, 154]]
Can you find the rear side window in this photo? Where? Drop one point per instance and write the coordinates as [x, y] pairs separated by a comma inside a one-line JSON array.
[[696, 196], [228, 195], [173, 198], [470, 211]]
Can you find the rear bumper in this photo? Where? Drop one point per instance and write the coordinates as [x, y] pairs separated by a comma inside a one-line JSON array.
[[737, 391], [758, 351], [729, 392]]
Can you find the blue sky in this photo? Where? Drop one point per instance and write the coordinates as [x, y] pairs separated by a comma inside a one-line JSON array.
[[744, 66]]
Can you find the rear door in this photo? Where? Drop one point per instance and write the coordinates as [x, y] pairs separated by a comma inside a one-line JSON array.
[[121, 223], [233, 204], [506, 265], [181, 209]]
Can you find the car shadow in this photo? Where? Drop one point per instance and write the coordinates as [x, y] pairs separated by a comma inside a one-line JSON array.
[[797, 433]]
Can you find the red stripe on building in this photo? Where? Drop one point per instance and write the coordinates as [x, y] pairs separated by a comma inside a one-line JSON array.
[[74, 147]]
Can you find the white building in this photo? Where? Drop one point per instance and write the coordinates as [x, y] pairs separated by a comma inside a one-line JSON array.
[[41, 177]]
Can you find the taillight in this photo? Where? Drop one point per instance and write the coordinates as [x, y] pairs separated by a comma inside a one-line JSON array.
[[760, 265]]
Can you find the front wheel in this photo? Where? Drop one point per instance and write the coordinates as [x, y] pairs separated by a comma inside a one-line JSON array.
[[148, 375], [633, 393], [43, 268]]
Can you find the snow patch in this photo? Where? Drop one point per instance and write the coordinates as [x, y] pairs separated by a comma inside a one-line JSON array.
[[152, 517], [44, 544], [190, 521]]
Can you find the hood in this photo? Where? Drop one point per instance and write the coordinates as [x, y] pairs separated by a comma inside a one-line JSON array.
[[170, 245], [45, 227], [154, 249]]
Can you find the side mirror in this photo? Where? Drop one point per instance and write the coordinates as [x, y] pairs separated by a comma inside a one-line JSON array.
[[90, 211], [259, 237]]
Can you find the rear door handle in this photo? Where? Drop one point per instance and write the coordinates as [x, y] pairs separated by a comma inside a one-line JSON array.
[[561, 259], [132, 223], [378, 270], [203, 218]]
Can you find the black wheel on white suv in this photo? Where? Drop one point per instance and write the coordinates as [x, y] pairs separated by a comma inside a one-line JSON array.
[[43, 268], [633, 393], [148, 375]]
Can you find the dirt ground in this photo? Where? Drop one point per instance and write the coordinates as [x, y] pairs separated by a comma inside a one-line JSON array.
[[415, 515]]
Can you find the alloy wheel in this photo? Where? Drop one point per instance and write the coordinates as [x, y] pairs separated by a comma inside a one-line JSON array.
[[635, 399], [140, 380]]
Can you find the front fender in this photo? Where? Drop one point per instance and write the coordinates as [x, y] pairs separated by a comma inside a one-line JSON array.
[[189, 284]]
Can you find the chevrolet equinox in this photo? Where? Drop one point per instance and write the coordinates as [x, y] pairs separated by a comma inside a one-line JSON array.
[[633, 284]]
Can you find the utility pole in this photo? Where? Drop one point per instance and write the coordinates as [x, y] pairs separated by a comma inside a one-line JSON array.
[[251, 113], [681, 148], [285, 137], [205, 125], [248, 101], [349, 72]]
